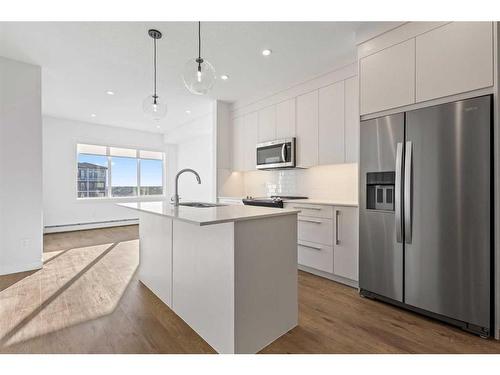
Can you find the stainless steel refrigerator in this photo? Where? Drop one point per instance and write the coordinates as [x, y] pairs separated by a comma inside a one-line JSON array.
[[426, 211]]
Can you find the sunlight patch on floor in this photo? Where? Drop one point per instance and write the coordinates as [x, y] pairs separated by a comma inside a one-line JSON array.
[[75, 285]]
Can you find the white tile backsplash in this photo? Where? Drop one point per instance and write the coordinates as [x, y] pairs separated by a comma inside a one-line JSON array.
[[335, 182]]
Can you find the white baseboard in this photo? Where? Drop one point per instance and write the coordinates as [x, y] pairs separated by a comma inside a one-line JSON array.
[[85, 226], [338, 279], [16, 268]]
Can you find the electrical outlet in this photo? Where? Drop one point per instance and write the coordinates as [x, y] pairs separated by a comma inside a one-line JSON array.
[[26, 242]]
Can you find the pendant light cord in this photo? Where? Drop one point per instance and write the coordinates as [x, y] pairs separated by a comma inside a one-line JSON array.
[[154, 59], [199, 60], [199, 39]]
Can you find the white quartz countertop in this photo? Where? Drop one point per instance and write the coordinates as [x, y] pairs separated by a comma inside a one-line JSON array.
[[325, 202], [207, 215]]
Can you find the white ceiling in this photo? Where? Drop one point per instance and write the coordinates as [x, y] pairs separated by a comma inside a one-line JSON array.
[[82, 60]]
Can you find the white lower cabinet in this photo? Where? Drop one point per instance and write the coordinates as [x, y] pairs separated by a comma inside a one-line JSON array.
[[328, 240], [315, 255], [345, 256]]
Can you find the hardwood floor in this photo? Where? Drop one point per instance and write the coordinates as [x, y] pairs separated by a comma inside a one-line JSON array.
[[87, 299]]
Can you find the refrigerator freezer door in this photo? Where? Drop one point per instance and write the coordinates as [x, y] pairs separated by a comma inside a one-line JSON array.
[[381, 255], [447, 262]]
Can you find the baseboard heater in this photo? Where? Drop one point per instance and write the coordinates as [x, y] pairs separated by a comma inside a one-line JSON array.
[[89, 225]]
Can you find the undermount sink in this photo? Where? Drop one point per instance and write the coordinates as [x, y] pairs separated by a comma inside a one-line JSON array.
[[201, 204]]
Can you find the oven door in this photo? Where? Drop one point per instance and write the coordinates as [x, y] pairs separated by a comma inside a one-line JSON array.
[[276, 154]]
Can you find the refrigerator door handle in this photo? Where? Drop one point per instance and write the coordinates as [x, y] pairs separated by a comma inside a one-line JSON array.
[[408, 190], [397, 193]]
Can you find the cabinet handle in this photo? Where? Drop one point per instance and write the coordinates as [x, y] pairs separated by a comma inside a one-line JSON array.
[[311, 221], [308, 208], [337, 227], [311, 247]]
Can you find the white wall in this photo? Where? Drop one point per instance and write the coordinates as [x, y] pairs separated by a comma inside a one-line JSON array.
[[20, 167], [60, 137], [193, 144]]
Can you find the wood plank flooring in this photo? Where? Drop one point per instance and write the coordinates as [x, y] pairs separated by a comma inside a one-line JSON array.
[[87, 299]]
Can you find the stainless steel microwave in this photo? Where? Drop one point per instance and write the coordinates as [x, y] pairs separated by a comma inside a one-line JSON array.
[[276, 154]]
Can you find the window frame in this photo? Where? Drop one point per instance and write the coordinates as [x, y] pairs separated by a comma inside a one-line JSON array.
[[109, 188]]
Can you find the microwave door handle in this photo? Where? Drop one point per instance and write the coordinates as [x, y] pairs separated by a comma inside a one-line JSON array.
[[283, 152]]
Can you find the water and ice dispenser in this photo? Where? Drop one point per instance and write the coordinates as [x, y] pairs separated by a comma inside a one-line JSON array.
[[380, 190]]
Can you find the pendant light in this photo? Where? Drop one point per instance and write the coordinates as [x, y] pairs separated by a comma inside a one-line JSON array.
[[152, 106], [199, 74]]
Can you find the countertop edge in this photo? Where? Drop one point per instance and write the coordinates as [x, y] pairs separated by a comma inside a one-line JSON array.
[[221, 221]]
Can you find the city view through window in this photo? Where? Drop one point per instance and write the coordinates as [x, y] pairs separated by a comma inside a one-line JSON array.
[[108, 173]]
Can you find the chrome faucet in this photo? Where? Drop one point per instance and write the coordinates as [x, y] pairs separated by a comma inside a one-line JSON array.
[[175, 198]]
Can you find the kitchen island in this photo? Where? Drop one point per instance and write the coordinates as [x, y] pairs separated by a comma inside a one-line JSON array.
[[230, 272]]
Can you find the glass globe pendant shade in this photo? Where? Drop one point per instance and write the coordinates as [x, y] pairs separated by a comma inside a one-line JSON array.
[[199, 76], [154, 108]]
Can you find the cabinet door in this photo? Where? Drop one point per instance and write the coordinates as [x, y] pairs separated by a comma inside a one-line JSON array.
[[454, 58], [351, 120], [238, 149], [285, 119], [267, 124], [307, 129], [388, 78], [345, 248], [251, 124], [331, 124]]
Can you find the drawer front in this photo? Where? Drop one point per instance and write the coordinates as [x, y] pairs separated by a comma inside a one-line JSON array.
[[314, 229], [316, 256], [315, 210]]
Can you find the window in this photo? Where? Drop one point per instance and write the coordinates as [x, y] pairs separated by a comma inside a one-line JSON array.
[[92, 176], [118, 172], [151, 167]]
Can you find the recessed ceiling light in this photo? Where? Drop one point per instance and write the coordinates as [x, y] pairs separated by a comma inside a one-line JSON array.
[[158, 126], [92, 115], [188, 111], [109, 92], [266, 52], [224, 77]]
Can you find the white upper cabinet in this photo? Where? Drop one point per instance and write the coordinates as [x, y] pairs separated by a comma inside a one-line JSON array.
[[331, 124], [307, 129], [245, 129], [251, 129], [324, 121], [267, 124], [454, 58], [285, 119], [351, 120], [388, 78], [238, 135]]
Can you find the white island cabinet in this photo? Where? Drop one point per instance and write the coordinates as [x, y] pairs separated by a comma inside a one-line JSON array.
[[230, 272]]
